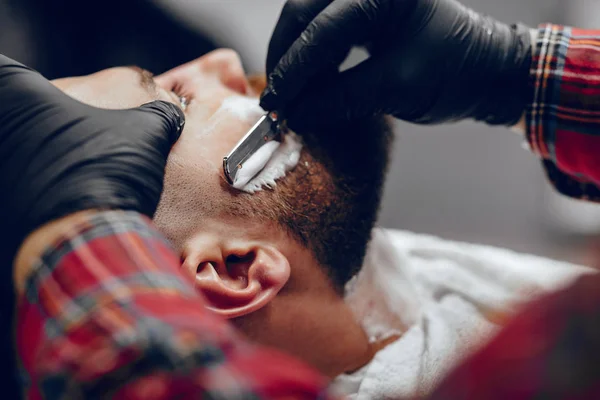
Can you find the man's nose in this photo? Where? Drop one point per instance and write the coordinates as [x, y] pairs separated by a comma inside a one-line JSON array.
[[222, 67], [227, 65]]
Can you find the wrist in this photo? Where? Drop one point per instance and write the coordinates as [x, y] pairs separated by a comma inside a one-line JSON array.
[[508, 90], [520, 126], [38, 241]]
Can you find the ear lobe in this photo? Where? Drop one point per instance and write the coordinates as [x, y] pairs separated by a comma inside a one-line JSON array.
[[243, 281]]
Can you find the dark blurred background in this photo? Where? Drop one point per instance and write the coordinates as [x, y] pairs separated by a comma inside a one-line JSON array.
[[464, 181], [69, 37]]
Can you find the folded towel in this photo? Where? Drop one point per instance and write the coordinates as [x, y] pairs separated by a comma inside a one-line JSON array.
[[444, 298]]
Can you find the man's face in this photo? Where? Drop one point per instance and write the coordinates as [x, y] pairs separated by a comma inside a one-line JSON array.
[[222, 105], [258, 259], [211, 130]]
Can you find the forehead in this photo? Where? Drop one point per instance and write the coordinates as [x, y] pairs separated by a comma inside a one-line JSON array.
[[114, 88]]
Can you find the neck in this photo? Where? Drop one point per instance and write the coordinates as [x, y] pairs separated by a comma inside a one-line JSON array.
[[358, 351], [310, 320], [324, 334], [345, 346]]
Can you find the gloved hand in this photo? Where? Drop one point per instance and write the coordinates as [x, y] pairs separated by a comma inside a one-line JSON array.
[[59, 156], [431, 61]]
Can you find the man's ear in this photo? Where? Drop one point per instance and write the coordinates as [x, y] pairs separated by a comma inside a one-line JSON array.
[[238, 280]]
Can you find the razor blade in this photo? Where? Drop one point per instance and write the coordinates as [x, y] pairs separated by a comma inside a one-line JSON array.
[[265, 130]]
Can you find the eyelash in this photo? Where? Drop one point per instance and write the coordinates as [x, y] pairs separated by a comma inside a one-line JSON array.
[[178, 90], [181, 94]]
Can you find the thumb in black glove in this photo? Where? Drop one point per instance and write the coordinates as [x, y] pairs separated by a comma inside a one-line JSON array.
[[431, 61]]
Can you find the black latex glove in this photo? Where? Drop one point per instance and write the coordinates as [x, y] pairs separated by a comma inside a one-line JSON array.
[[431, 61], [59, 156]]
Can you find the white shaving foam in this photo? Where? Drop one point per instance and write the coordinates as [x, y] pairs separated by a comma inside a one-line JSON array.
[[244, 108], [284, 158], [255, 164]]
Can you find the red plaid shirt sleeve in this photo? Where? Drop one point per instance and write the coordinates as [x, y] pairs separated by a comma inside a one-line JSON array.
[[106, 313], [563, 121], [551, 350]]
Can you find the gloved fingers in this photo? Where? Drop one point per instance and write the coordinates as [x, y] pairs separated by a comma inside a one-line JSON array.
[[23, 90], [162, 118], [8, 65], [21, 82], [325, 42], [378, 85], [357, 92], [295, 17]]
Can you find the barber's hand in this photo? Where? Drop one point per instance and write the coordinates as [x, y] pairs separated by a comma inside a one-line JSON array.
[[431, 61], [59, 156]]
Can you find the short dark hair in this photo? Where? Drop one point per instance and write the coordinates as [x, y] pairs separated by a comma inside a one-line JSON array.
[[330, 201]]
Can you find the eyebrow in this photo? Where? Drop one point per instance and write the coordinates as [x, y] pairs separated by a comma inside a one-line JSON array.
[[146, 78]]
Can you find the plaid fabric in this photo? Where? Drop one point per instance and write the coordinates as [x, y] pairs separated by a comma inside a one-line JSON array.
[[549, 351], [107, 314], [552, 349], [563, 122]]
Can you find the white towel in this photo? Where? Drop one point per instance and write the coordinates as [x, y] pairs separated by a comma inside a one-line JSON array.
[[441, 296]]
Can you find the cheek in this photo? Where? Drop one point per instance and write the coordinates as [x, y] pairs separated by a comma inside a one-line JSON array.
[[189, 194], [206, 143], [213, 129]]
